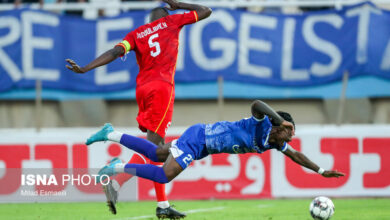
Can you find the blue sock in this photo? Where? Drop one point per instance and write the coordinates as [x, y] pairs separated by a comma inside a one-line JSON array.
[[141, 146], [147, 171]]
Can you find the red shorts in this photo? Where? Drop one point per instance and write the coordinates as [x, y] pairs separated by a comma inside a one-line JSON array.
[[155, 102]]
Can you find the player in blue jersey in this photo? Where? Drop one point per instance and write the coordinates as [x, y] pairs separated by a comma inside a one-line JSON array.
[[265, 130]]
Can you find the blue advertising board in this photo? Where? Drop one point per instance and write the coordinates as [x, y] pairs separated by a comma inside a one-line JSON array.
[[274, 51]]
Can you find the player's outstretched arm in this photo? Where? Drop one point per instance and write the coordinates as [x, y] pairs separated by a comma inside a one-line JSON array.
[[259, 109], [202, 11], [302, 160], [103, 59]]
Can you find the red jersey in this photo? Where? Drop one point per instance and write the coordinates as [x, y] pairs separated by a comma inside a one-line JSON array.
[[156, 46]]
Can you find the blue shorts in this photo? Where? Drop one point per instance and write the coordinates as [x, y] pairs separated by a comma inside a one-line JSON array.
[[190, 146]]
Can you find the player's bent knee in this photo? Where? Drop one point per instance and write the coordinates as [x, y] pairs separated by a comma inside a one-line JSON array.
[[162, 154], [171, 174]]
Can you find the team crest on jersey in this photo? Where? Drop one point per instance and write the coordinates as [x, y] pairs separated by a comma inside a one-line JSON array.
[[236, 149]]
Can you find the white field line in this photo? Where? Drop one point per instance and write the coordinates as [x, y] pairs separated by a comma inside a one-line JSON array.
[[205, 210], [187, 212], [263, 206]]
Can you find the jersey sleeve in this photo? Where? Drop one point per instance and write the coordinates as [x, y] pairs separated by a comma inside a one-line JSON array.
[[282, 148], [128, 43], [184, 19]]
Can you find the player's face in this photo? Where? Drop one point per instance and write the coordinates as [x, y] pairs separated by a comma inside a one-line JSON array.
[[281, 135]]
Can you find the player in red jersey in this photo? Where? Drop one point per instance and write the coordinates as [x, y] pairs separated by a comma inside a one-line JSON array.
[[156, 47]]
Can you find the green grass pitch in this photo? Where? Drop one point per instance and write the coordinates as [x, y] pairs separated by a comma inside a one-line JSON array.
[[280, 209]]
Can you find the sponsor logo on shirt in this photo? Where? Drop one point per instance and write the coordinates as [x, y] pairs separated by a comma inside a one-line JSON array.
[[236, 149]]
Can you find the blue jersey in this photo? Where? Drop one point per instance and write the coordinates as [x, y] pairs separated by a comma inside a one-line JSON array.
[[248, 135], [245, 136]]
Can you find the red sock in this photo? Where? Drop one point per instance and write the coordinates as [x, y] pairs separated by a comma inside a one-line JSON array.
[[124, 177], [159, 188]]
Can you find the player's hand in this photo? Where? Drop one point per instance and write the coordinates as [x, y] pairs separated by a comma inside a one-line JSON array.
[[74, 67], [332, 173], [288, 125], [173, 4]]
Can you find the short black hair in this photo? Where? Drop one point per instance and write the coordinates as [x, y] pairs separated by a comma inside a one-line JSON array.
[[158, 13], [286, 116], [160, 8]]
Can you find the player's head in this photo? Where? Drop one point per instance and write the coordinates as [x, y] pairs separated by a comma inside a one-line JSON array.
[[286, 116], [158, 13], [279, 135]]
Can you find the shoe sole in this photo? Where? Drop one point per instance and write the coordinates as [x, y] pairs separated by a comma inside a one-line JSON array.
[[166, 216], [110, 203]]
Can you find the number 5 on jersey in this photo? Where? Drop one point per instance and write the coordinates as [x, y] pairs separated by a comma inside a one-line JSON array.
[[155, 45]]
